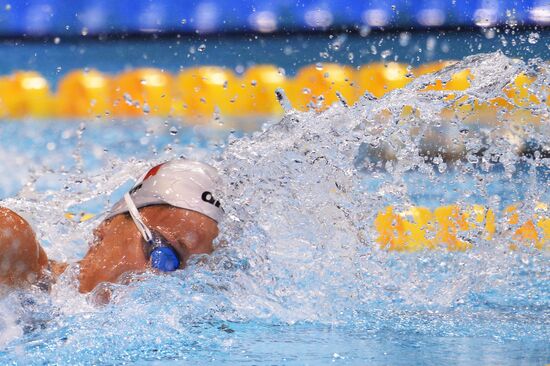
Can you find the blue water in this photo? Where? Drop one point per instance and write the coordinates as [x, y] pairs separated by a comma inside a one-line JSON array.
[[288, 52]]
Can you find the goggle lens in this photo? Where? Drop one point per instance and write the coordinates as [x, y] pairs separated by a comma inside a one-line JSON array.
[[162, 255]]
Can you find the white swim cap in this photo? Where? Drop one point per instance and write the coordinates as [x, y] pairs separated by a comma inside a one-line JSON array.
[[179, 183]]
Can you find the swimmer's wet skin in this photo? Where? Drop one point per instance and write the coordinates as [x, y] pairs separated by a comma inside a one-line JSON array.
[[169, 215]]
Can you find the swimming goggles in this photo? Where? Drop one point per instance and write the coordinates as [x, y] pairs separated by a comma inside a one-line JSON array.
[[157, 249]]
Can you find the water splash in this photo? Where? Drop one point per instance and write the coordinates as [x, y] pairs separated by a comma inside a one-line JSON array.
[[298, 245], [302, 200]]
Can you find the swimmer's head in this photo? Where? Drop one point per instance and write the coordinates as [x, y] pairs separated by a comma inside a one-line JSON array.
[[180, 183]]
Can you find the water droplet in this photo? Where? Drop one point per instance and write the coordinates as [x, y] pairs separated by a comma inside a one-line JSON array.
[[431, 42], [364, 31], [217, 116], [173, 130], [184, 21], [253, 83], [282, 99], [146, 108], [8, 7], [384, 54], [490, 34], [201, 48], [533, 38], [503, 41], [319, 66], [127, 98], [56, 40], [404, 39], [306, 91]]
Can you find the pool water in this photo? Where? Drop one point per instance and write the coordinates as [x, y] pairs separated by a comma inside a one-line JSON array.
[[297, 276], [53, 58]]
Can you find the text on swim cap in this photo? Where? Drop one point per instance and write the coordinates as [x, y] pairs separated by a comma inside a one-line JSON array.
[[208, 197], [135, 189]]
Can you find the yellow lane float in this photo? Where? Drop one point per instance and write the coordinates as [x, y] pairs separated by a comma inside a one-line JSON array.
[[316, 86], [469, 111], [259, 83], [432, 67], [25, 94], [81, 217], [84, 94], [512, 106], [142, 92], [203, 91], [458, 81], [519, 93], [455, 229], [520, 99], [380, 78]]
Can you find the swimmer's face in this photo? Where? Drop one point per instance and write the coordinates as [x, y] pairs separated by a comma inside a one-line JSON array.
[[189, 232]]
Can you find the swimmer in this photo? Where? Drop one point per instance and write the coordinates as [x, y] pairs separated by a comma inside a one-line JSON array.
[[169, 215]]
